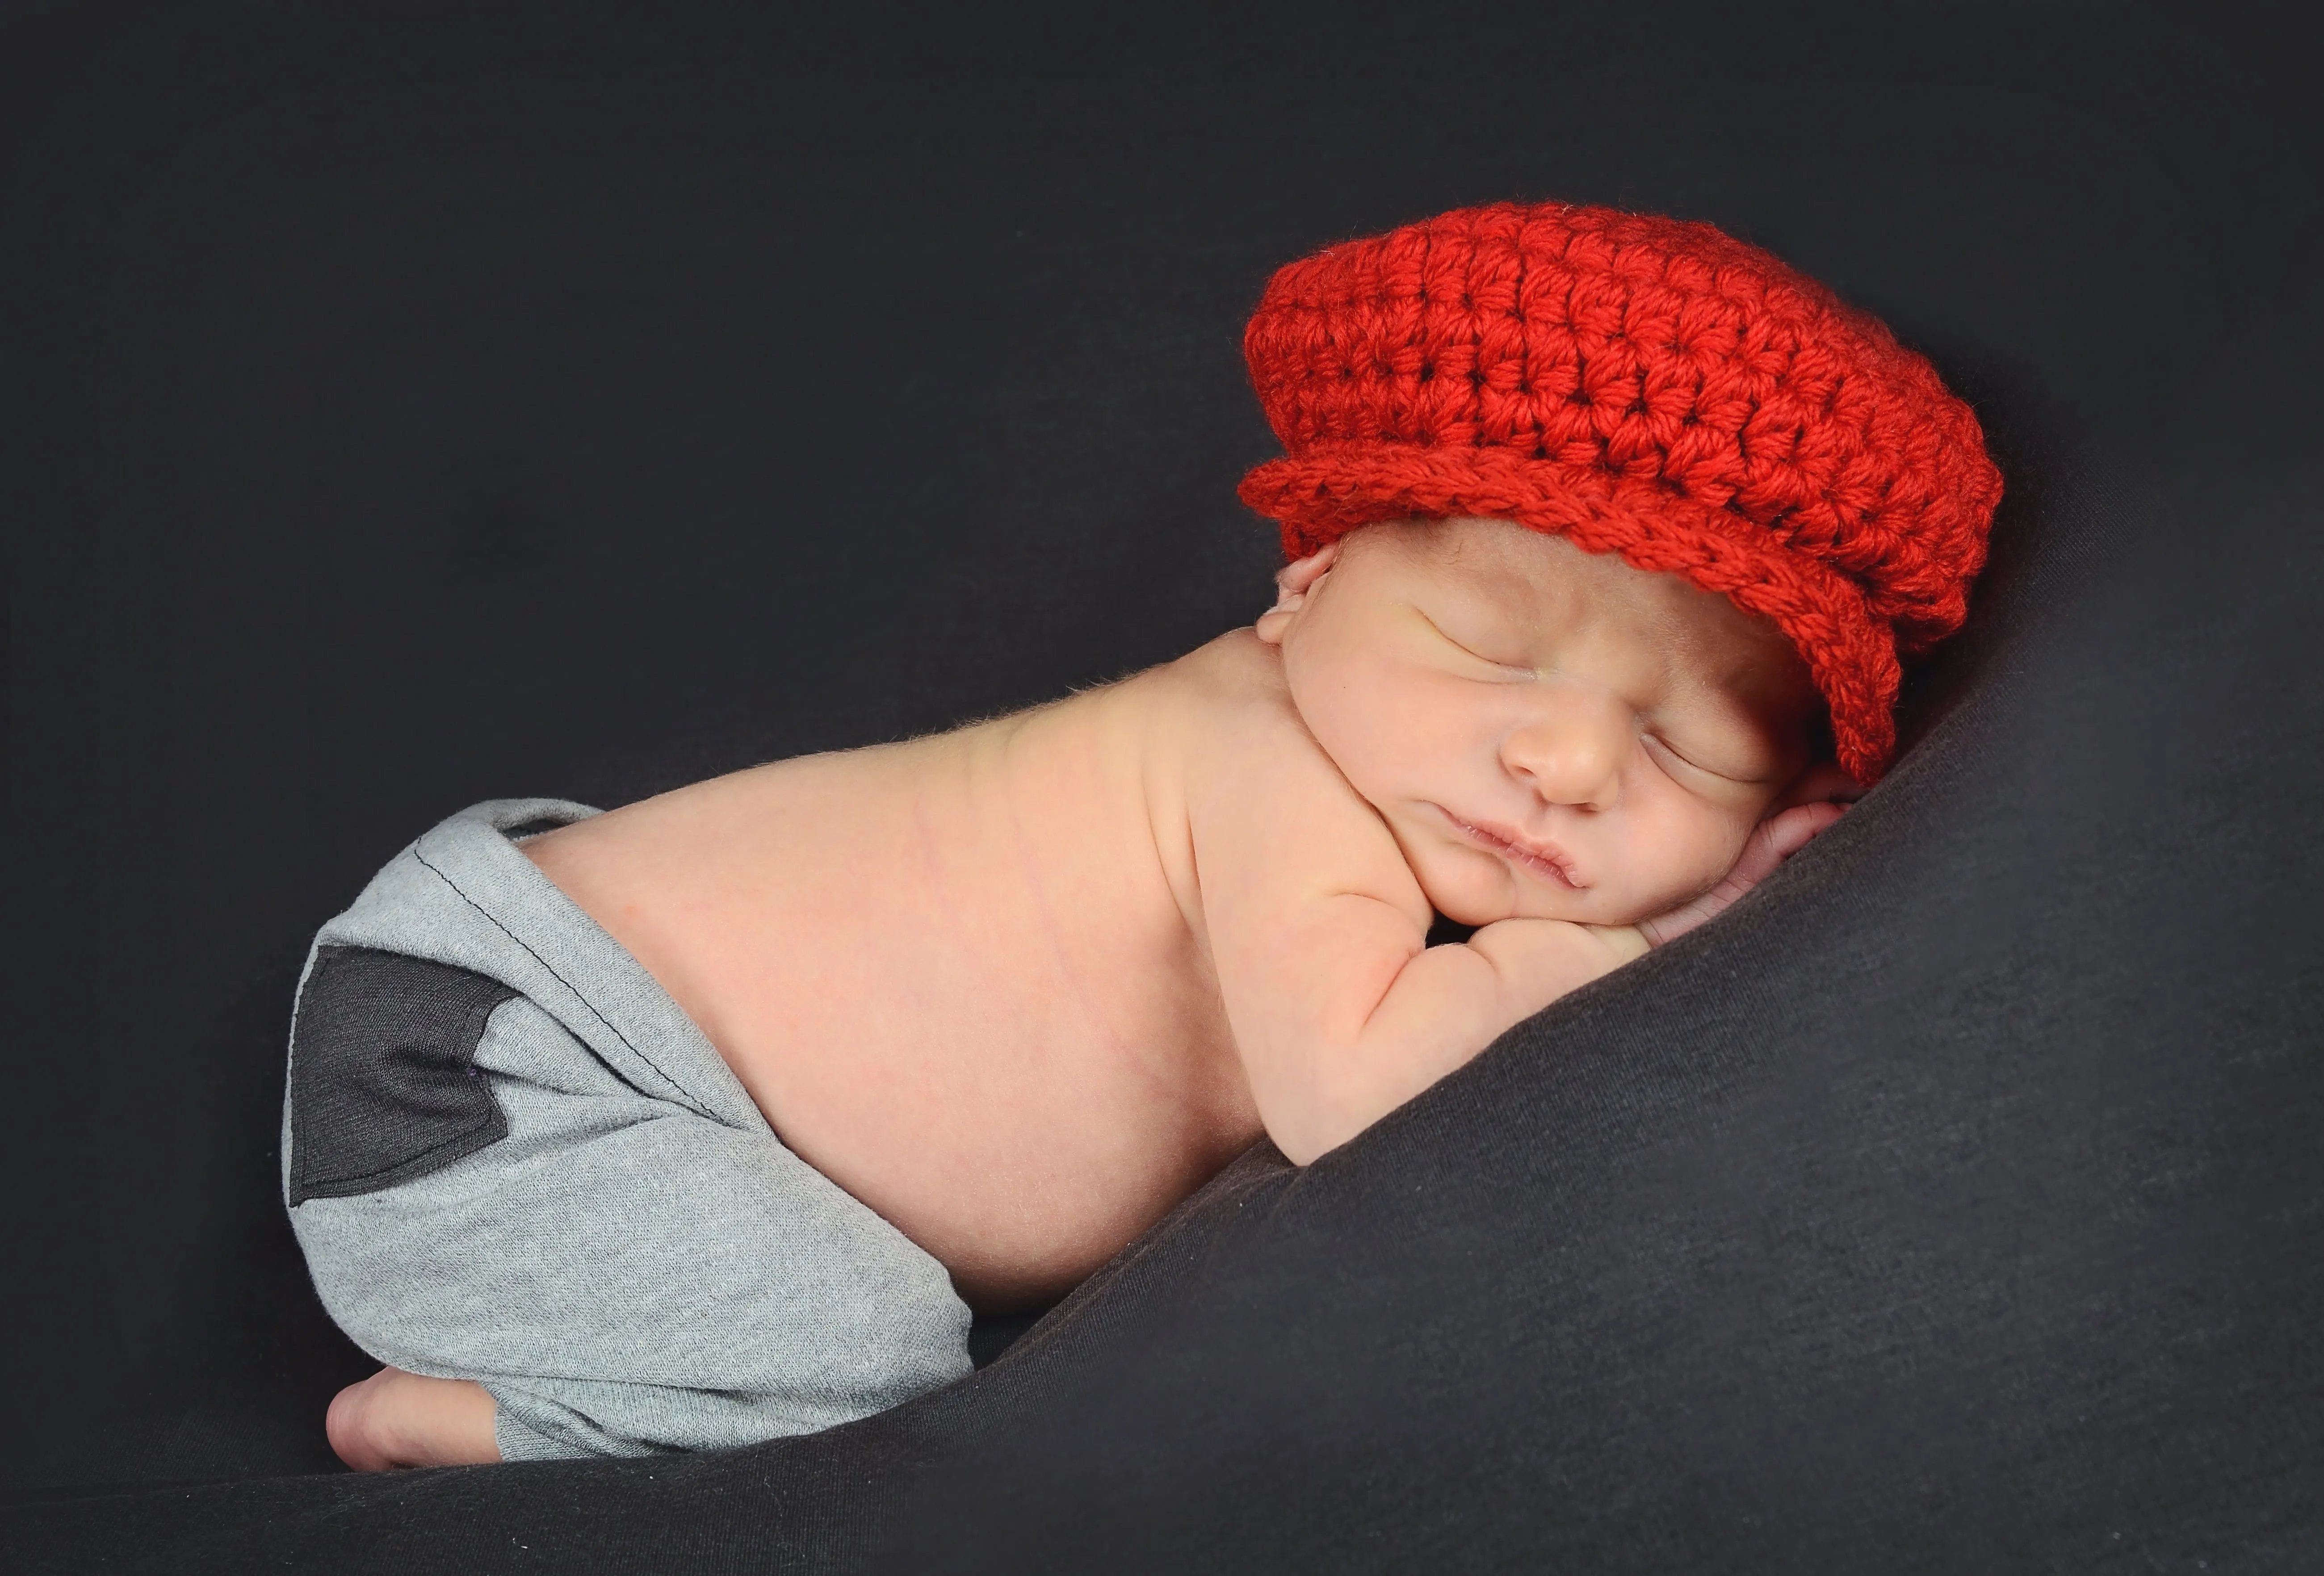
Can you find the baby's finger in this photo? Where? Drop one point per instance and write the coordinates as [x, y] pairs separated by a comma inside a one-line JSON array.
[[1760, 856], [1795, 828]]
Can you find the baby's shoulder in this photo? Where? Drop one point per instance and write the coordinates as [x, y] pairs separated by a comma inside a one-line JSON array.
[[1253, 769], [1237, 667], [1228, 698]]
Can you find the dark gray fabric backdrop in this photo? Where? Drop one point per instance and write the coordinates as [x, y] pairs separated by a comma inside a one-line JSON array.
[[418, 404]]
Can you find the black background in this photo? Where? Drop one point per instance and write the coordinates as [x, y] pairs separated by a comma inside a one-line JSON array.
[[419, 404]]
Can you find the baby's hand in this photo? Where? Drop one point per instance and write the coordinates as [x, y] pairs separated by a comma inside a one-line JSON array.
[[1772, 841]]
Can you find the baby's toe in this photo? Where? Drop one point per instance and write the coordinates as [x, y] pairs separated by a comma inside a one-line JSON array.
[[352, 1425]]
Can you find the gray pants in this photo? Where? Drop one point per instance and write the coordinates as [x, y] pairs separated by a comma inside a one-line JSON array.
[[510, 1157]]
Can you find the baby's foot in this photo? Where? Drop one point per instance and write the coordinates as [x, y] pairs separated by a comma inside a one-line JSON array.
[[396, 1419]]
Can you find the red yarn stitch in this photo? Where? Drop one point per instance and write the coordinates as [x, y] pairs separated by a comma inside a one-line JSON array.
[[1644, 386]]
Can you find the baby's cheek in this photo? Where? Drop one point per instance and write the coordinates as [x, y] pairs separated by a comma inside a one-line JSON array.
[[1723, 850], [1702, 852]]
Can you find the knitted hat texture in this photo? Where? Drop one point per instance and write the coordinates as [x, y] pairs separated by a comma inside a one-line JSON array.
[[1642, 386]]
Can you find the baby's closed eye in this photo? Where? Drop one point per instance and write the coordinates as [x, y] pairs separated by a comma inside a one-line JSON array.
[[1491, 647], [1704, 752]]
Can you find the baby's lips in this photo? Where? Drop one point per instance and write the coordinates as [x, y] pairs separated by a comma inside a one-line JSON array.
[[1549, 862]]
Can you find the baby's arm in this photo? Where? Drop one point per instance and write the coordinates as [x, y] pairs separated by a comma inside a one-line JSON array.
[[1362, 1015]]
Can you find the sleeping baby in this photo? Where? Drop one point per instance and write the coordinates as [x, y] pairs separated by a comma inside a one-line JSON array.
[[708, 1120]]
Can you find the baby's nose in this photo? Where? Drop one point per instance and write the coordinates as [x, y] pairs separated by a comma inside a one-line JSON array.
[[1571, 751]]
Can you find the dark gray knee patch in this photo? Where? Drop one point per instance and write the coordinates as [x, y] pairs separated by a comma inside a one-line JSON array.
[[385, 1087]]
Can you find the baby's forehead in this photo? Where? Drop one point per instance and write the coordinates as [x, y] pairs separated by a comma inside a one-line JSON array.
[[1535, 572], [1535, 583]]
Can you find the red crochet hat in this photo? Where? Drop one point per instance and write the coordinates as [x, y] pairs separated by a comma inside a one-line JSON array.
[[1647, 387]]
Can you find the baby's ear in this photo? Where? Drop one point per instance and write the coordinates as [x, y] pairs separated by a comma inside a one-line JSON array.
[[1822, 783], [1293, 581]]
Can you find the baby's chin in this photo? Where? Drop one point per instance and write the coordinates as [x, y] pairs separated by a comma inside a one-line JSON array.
[[1480, 897]]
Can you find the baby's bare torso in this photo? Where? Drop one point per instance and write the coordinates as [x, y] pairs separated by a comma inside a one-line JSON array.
[[965, 977]]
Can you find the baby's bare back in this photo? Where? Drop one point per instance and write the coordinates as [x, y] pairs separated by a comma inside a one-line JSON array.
[[963, 976]]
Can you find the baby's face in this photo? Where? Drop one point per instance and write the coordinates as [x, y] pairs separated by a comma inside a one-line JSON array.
[[1547, 732]]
